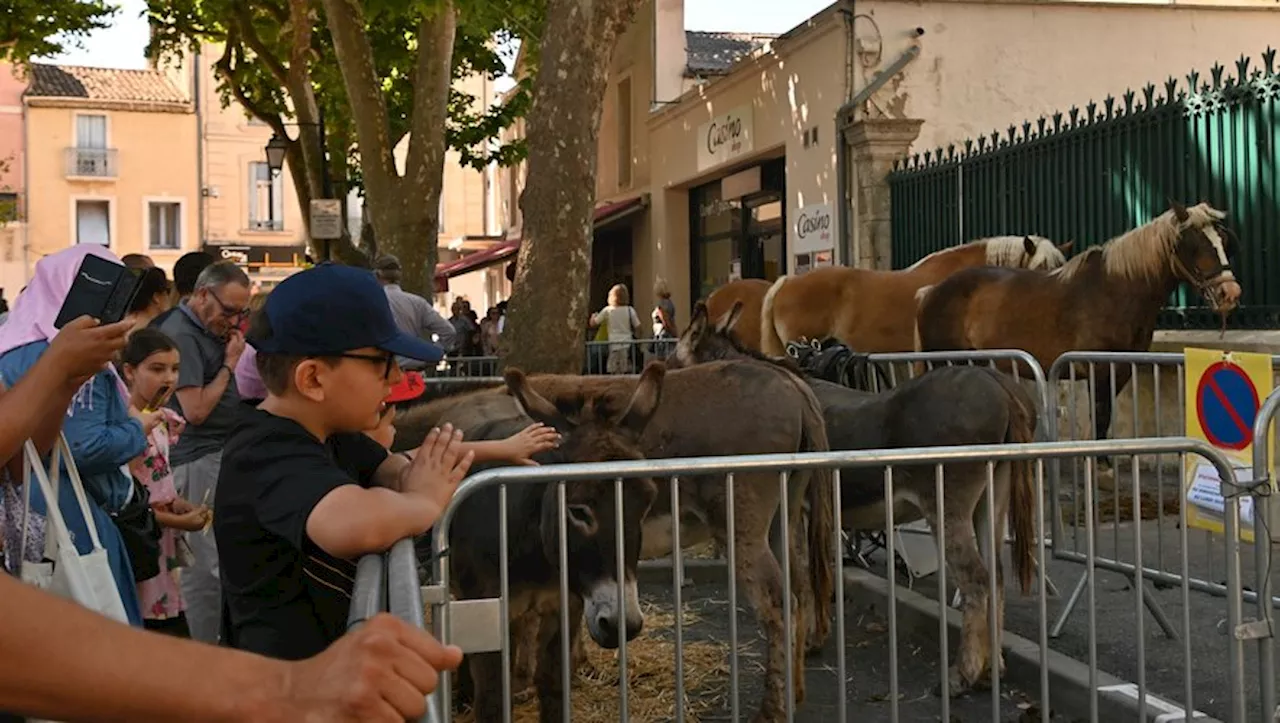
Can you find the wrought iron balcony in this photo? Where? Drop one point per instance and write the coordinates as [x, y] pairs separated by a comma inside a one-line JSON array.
[[91, 163]]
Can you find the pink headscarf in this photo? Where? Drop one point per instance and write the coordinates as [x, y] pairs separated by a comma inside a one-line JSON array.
[[36, 308]]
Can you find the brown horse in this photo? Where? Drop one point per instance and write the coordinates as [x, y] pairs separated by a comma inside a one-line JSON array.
[[948, 406], [748, 292], [872, 311], [724, 408], [1105, 299]]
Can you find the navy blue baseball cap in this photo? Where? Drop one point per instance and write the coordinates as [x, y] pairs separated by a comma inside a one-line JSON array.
[[331, 309]]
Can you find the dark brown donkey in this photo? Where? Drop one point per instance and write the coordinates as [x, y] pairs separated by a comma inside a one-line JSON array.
[[1105, 299], [947, 406], [594, 430], [726, 408]]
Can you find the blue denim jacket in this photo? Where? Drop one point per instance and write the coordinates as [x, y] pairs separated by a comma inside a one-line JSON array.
[[102, 437]]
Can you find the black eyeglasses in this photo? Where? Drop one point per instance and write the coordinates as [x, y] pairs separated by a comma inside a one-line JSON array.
[[227, 311], [388, 359]]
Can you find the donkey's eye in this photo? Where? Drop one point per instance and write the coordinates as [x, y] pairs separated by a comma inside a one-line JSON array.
[[582, 516]]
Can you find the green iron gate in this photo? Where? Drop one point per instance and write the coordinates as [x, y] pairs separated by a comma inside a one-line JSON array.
[[1089, 175]]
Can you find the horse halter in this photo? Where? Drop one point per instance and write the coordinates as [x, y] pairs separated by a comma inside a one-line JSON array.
[[1207, 286]]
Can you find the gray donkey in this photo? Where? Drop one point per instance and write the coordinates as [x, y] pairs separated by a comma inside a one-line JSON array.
[[959, 405]]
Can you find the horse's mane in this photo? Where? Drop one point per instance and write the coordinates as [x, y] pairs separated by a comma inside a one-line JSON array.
[[1005, 251], [1142, 254], [1008, 251]]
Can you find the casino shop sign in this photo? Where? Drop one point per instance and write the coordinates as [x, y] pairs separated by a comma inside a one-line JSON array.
[[725, 137]]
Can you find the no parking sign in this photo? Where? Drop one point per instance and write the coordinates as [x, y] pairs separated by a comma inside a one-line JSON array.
[[1224, 391]]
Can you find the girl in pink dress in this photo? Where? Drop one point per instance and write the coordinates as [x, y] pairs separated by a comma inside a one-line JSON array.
[[150, 366]]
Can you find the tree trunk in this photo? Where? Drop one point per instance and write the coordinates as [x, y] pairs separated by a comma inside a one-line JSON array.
[[404, 210], [548, 312]]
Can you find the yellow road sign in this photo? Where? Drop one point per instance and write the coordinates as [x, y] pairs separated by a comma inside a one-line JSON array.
[[1224, 391]]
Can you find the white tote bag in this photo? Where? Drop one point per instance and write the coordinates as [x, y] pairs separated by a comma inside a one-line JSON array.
[[85, 579]]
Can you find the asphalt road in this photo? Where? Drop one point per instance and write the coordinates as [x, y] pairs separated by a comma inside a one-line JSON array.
[[1199, 621]]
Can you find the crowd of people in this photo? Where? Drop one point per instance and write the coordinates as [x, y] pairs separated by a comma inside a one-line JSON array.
[[463, 335], [234, 453]]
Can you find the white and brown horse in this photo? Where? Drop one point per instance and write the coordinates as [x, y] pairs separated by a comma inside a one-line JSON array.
[[1105, 299], [873, 311]]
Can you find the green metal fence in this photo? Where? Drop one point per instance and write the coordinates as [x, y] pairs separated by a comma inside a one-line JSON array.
[[1089, 175]]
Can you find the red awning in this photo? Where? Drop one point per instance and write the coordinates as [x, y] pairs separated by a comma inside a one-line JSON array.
[[499, 252], [614, 211], [478, 260]]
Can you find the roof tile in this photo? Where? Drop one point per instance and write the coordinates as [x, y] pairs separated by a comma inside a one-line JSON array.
[[103, 84], [713, 53]]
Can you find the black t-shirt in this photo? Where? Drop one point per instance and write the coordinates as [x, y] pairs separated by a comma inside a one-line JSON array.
[[283, 596]]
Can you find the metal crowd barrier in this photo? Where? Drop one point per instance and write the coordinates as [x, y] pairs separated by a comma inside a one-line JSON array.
[[465, 366], [388, 582], [1264, 533], [477, 625], [1146, 371]]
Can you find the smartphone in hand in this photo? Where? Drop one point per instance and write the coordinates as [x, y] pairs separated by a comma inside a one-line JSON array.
[[102, 289]]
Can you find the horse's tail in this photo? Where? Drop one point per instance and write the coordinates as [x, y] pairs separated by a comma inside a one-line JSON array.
[[921, 294], [771, 342], [822, 533], [1022, 508]]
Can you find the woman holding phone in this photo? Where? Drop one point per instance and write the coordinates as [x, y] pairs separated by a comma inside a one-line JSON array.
[[101, 431], [150, 367]]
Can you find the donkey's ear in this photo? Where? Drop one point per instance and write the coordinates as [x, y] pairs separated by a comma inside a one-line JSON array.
[[730, 318], [535, 405], [1029, 245], [1179, 212], [698, 323], [644, 402], [1066, 247]]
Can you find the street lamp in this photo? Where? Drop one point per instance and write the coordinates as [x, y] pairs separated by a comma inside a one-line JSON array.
[[276, 148]]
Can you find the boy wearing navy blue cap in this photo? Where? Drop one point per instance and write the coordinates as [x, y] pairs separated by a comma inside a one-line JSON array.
[[303, 492]]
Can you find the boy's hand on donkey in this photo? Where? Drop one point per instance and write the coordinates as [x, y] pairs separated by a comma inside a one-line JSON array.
[[439, 466], [535, 438]]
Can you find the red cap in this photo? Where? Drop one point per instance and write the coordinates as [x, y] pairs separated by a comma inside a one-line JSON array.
[[410, 386]]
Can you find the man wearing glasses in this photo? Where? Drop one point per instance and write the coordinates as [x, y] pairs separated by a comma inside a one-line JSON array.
[[206, 330]]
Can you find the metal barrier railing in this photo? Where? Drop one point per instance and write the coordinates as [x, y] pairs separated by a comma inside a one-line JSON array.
[[1137, 372], [1264, 538], [388, 582], [1163, 369], [628, 357], [465, 366], [448, 616]]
